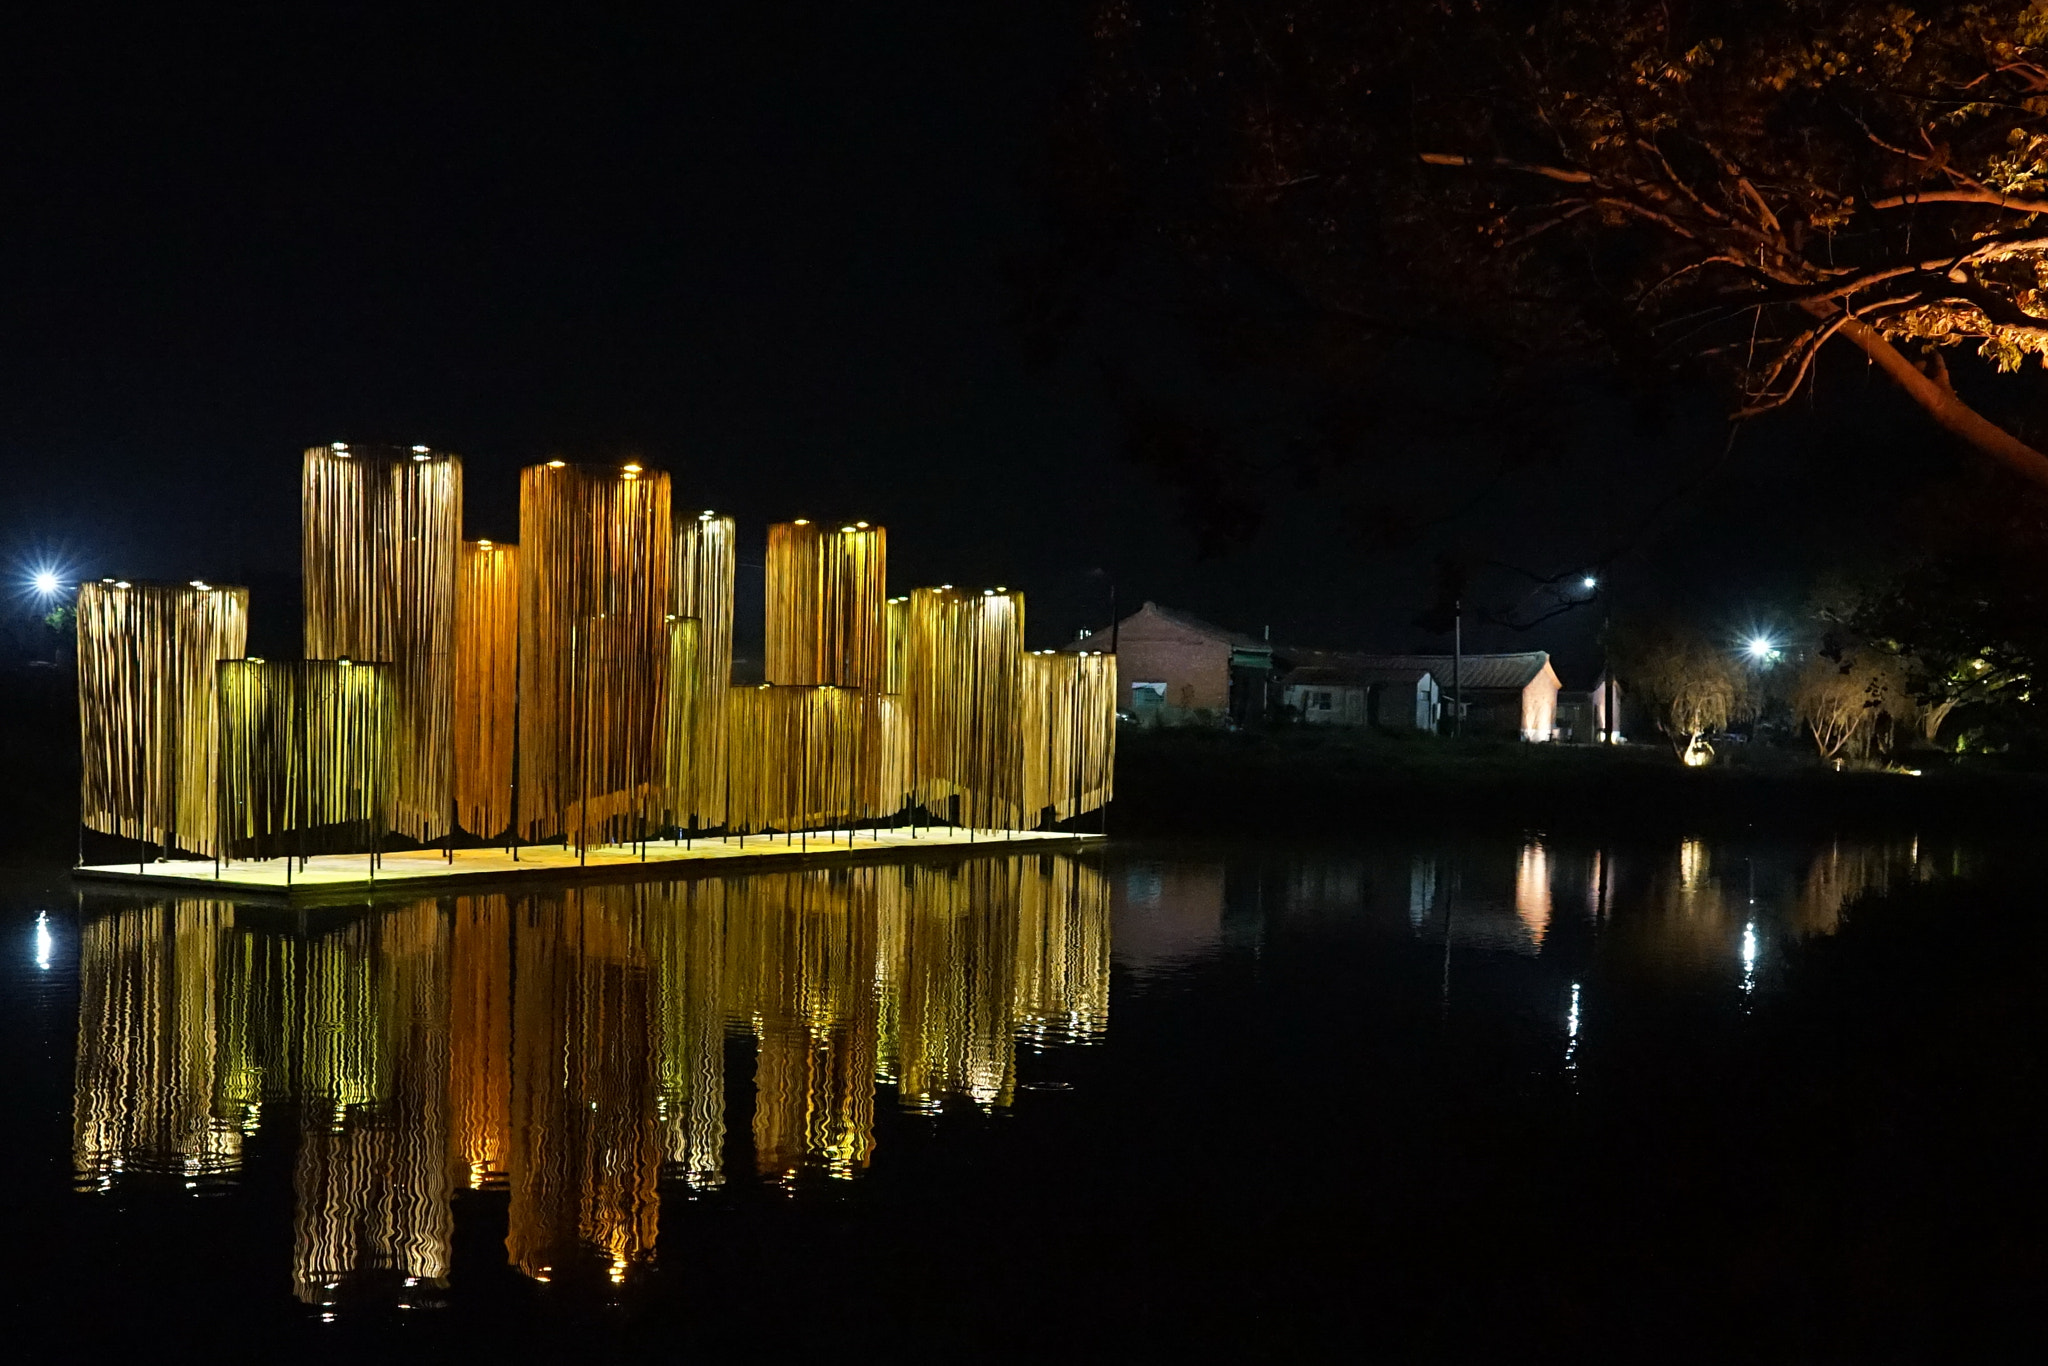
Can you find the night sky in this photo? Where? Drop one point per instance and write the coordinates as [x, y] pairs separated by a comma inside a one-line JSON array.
[[764, 248]]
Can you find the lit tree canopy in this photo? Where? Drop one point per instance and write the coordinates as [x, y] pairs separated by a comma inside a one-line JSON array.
[[1748, 181]]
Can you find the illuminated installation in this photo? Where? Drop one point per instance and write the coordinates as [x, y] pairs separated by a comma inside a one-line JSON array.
[[703, 577], [305, 756], [567, 1047], [381, 532], [594, 559], [148, 706], [574, 687], [486, 686]]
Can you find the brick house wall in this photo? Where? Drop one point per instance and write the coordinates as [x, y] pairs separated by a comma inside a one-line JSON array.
[[1194, 667]]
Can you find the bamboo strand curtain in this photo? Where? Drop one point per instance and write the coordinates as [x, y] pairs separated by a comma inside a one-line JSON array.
[[486, 686], [681, 731], [962, 660], [149, 707], [810, 758], [704, 573], [824, 605], [1067, 719], [306, 756], [594, 597], [381, 544]]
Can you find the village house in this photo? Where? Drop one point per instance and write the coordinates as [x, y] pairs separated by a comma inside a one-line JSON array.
[[1352, 693], [1176, 669], [1503, 694]]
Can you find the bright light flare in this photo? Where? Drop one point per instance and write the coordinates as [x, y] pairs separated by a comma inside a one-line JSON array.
[[44, 581], [1589, 583], [1760, 647]]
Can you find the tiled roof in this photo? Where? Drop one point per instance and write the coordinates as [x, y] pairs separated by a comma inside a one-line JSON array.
[[1237, 640], [1475, 671]]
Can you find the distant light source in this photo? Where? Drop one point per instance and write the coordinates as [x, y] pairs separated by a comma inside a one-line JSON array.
[[1591, 581], [1760, 647], [632, 469], [45, 582], [419, 450], [556, 464]]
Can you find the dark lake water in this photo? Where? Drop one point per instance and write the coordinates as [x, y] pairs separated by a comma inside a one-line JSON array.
[[1674, 1099]]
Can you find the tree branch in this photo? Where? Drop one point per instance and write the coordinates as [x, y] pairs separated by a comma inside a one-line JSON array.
[[1987, 197], [1504, 164], [1942, 404]]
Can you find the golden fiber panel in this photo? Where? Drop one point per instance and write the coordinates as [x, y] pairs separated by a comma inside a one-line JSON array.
[[682, 761], [381, 547], [486, 685], [962, 660], [305, 756], [813, 758], [825, 587], [704, 570], [594, 642], [1066, 710], [149, 707]]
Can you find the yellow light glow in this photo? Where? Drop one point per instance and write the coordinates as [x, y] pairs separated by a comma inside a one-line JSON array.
[[631, 468], [802, 521], [485, 544], [556, 464], [123, 583]]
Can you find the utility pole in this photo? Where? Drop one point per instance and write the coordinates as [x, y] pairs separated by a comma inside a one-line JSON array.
[[1458, 667]]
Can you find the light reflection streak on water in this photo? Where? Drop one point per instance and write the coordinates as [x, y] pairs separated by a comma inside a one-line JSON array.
[[1571, 1029], [1749, 958], [44, 941]]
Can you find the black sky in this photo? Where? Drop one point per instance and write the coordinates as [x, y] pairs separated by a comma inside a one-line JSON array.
[[761, 245]]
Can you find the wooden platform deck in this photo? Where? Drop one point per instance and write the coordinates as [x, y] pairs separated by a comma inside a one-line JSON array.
[[339, 876]]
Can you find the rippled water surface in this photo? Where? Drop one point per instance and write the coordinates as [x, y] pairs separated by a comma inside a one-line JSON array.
[[1424, 1097]]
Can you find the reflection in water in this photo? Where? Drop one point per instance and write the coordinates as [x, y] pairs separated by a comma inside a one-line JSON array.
[[1532, 892], [567, 1045], [149, 1068]]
